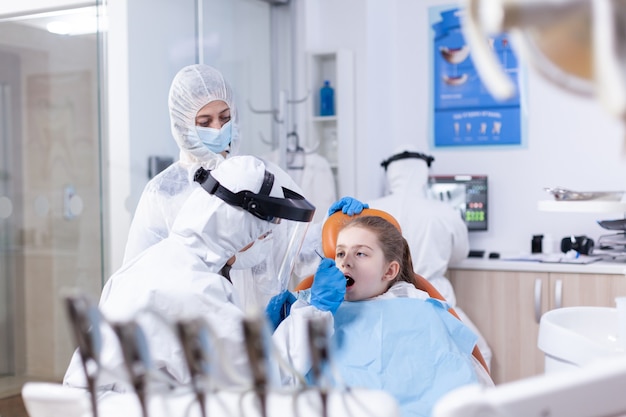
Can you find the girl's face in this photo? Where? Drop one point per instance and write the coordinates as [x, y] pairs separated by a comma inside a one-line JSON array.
[[361, 259], [215, 115]]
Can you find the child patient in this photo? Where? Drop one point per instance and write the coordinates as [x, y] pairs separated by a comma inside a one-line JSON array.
[[388, 334]]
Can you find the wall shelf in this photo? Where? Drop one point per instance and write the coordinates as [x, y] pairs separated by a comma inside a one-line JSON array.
[[324, 119], [334, 136], [584, 206]]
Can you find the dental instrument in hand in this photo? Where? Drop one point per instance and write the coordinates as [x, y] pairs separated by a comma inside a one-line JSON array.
[[85, 320], [349, 280]]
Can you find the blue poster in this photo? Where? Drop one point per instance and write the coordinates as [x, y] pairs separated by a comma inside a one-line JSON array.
[[465, 113]]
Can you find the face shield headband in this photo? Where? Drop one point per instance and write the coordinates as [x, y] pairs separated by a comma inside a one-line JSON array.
[[292, 207], [406, 154]]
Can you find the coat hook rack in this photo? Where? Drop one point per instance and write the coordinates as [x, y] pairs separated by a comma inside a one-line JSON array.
[[273, 112], [265, 141], [300, 100]]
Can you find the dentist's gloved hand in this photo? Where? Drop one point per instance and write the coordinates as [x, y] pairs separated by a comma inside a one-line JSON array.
[[279, 307], [329, 286], [348, 205]]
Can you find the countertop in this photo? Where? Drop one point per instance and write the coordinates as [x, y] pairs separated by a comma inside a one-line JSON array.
[[598, 267]]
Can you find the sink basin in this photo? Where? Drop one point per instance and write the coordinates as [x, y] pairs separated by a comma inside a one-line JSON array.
[[571, 337]]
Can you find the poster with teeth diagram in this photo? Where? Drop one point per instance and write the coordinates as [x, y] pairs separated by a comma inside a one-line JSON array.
[[464, 112]]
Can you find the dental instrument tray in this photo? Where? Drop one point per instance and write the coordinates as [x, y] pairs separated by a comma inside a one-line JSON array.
[[562, 194], [619, 224]]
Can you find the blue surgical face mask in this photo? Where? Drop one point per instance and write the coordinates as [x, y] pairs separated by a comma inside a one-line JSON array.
[[217, 140]]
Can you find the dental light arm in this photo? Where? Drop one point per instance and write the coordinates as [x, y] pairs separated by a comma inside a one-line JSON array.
[[496, 80], [596, 390]]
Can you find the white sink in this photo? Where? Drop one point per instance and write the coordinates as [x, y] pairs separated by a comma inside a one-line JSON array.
[[571, 337]]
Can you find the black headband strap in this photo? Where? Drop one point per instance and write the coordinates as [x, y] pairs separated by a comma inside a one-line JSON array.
[[268, 182], [407, 154], [292, 207]]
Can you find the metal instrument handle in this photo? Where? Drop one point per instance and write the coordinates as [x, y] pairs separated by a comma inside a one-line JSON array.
[[558, 294], [538, 299]]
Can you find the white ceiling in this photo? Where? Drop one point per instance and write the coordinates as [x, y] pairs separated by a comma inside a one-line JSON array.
[[70, 20], [15, 8]]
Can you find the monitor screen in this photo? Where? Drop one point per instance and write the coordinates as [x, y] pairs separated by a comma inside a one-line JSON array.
[[466, 193]]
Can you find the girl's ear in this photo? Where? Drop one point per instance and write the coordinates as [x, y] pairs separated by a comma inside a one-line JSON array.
[[392, 271]]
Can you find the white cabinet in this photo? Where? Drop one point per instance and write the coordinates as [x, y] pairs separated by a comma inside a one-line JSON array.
[[506, 307], [334, 136]]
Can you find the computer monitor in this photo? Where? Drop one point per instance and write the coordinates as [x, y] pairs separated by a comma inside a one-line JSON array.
[[466, 193]]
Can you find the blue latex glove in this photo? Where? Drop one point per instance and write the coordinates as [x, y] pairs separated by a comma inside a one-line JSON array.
[[348, 205], [329, 286], [279, 307]]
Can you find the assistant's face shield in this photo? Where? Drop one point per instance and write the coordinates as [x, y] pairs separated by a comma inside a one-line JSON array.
[[288, 211]]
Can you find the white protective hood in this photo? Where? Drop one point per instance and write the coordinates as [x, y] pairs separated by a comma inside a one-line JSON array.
[[194, 87], [408, 175], [177, 278], [227, 230]]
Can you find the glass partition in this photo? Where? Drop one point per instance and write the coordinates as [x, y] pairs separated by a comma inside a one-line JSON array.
[[235, 37], [7, 231], [51, 149], [50, 183]]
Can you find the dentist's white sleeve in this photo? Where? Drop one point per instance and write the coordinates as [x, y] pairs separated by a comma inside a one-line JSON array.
[[291, 340]]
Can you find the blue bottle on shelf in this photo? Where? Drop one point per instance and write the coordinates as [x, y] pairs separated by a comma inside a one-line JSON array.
[[327, 100]]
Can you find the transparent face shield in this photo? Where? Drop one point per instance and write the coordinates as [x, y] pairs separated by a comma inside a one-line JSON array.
[[290, 216], [281, 249], [290, 246], [273, 273]]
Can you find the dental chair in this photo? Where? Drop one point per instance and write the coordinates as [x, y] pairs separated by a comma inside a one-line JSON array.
[[331, 229]]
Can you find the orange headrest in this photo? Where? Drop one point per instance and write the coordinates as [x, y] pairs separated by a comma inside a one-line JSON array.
[[338, 220]]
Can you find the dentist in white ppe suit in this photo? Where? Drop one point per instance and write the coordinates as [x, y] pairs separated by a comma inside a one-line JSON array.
[[227, 209], [436, 234], [204, 124]]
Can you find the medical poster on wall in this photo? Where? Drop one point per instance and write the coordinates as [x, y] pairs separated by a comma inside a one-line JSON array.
[[465, 114]]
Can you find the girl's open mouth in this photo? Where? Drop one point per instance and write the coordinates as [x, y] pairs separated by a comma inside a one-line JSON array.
[[349, 282]]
